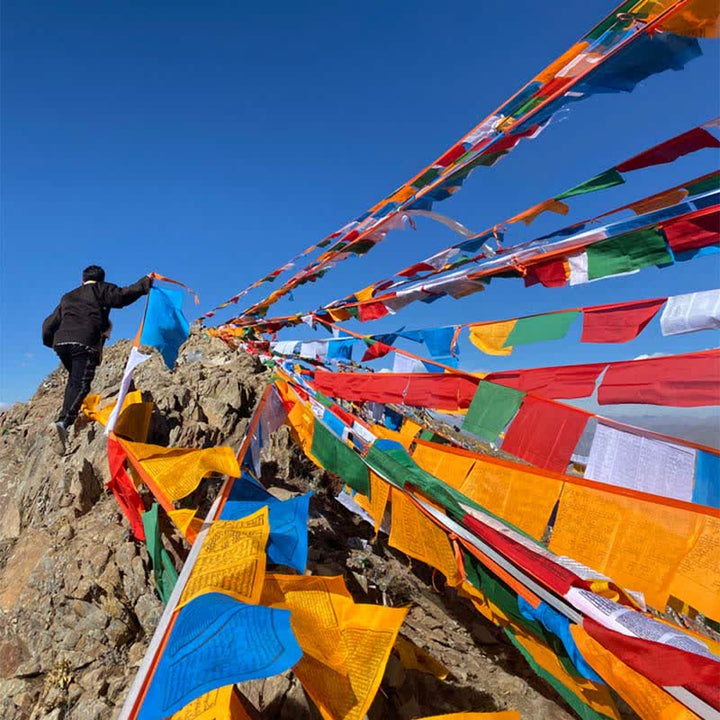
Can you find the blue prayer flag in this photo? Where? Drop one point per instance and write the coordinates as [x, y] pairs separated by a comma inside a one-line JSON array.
[[288, 541], [165, 326], [216, 641], [707, 480]]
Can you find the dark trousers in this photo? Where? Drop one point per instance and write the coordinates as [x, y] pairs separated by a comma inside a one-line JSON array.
[[80, 362]]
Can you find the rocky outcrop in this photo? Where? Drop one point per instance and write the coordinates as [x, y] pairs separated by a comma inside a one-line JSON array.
[[77, 602]]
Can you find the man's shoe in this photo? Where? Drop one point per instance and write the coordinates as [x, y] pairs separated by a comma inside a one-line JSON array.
[[60, 435]]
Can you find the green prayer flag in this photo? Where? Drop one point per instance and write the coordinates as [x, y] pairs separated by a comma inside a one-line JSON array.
[[614, 18], [426, 178], [628, 252], [163, 569], [703, 186], [338, 459], [606, 179], [583, 711], [491, 409], [552, 326]]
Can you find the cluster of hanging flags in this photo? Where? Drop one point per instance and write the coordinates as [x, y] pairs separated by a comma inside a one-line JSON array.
[[602, 569]]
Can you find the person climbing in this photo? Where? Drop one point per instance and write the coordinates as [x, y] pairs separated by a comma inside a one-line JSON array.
[[77, 330]]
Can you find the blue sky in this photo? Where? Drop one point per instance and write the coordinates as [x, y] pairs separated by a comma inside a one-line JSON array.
[[210, 141]]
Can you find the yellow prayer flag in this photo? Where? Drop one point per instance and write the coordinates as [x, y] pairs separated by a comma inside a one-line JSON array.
[[698, 18], [416, 535], [596, 695], [184, 519], [401, 195], [365, 293], [491, 337], [232, 559], [368, 635], [643, 696], [302, 425], [338, 314], [91, 406], [220, 704], [178, 471], [414, 657], [376, 503]]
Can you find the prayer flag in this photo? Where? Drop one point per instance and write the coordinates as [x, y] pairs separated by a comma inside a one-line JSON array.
[[544, 433], [491, 337], [216, 641], [164, 571], [371, 311], [134, 359], [231, 559], [124, 490], [220, 704], [338, 459], [552, 205], [618, 323], [492, 408], [551, 326], [553, 273], [606, 179], [691, 312], [692, 233], [698, 18], [165, 326], [438, 341], [564, 382], [659, 201], [178, 471], [287, 543], [690, 380], [625, 253], [707, 480], [689, 142]]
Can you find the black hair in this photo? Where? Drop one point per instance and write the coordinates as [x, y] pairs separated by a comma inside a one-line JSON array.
[[93, 272]]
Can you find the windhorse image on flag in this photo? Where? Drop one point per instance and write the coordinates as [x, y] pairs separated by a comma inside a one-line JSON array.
[[475, 476]]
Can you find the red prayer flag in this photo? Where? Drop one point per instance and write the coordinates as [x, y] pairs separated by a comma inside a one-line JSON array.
[[618, 323], [563, 382], [452, 155], [371, 311], [413, 270], [376, 350], [691, 233], [662, 664], [123, 489], [433, 390], [549, 573], [690, 380], [544, 433], [688, 142], [550, 274]]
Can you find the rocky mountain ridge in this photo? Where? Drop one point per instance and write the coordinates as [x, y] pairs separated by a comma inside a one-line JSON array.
[[77, 601]]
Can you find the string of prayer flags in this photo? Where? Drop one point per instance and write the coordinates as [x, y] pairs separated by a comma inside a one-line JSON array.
[[216, 641], [618, 323], [689, 380], [491, 409], [545, 434], [164, 571], [287, 543], [178, 471], [124, 490], [414, 534], [232, 559], [691, 312], [165, 327]]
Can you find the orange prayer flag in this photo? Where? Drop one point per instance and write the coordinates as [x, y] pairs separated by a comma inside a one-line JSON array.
[[376, 503], [531, 214], [220, 704], [659, 201], [698, 18], [565, 59]]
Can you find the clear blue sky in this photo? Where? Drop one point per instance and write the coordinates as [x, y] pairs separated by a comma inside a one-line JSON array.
[[210, 141]]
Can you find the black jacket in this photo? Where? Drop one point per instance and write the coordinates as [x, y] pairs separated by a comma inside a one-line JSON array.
[[83, 314]]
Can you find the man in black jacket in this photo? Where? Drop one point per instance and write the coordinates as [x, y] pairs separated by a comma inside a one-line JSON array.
[[77, 330]]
